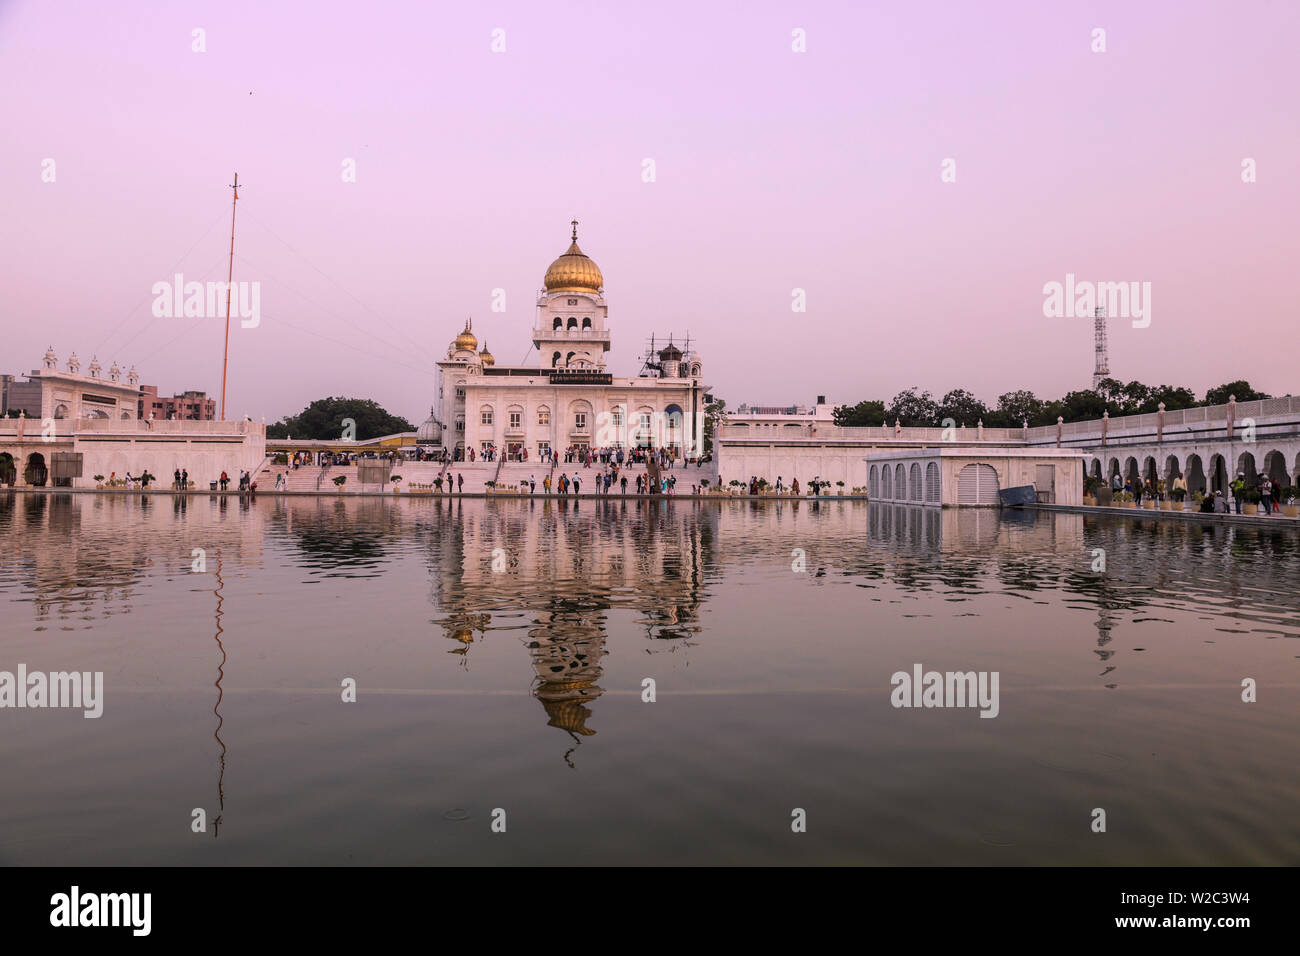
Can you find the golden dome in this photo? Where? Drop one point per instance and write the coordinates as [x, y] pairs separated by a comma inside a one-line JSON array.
[[574, 271], [466, 338], [485, 356]]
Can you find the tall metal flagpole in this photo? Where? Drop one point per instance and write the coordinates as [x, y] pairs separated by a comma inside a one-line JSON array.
[[230, 275]]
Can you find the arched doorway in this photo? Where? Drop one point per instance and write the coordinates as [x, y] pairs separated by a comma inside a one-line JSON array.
[[36, 472], [1275, 468], [1218, 474], [8, 469], [1195, 474], [977, 484], [932, 483], [673, 428], [1131, 471], [1247, 468]]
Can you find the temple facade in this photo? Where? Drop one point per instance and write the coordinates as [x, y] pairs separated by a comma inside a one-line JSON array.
[[569, 398]]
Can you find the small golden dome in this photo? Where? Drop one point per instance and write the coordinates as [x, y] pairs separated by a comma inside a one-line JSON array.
[[485, 356], [574, 271], [466, 339]]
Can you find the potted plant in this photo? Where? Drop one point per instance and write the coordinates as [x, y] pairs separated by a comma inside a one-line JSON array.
[[395, 479], [1123, 499], [1290, 508], [340, 481], [1251, 497], [1197, 498], [489, 487], [1179, 496], [99, 481], [840, 485]]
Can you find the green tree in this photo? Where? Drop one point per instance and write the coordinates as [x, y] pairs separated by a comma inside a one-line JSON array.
[[715, 414], [911, 408], [1174, 397], [324, 418], [962, 407], [1079, 406], [1016, 408], [862, 415], [1240, 388]]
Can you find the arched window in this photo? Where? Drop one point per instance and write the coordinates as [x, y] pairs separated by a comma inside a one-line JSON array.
[[586, 323], [977, 485], [61, 411], [873, 483], [570, 357], [555, 359], [544, 413], [559, 323], [900, 482], [914, 483], [616, 417], [886, 485], [485, 415], [932, 483], [573, 323]]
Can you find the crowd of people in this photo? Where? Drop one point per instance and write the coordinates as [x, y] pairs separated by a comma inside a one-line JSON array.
[[1217, 503]]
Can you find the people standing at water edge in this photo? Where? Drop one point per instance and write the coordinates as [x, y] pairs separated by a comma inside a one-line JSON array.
[[1238, 490]]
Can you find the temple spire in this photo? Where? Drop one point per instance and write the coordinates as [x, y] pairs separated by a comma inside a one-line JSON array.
[[574, 223]]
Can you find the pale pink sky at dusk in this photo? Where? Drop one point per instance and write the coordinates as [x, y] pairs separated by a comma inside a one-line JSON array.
[[775, 170]]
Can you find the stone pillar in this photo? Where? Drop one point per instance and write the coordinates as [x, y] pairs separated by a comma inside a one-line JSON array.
[[898, 428], [1232, 414], [979, 429], [1059, 422], [1105, 424], [1160, 424]]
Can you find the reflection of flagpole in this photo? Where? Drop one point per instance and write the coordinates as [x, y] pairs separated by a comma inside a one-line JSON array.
[[221, 772]]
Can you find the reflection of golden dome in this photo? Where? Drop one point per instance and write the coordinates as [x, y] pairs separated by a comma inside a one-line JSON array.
[[574, 271], [485, 356], [466, 339]]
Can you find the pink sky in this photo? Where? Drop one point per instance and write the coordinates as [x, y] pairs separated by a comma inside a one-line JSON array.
[[775, 170]]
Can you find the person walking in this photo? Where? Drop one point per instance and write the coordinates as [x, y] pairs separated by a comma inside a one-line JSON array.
[[532, 485], [622, 484], [1238, 490]]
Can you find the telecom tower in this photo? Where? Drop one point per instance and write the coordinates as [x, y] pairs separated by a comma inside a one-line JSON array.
[[1099, 346]]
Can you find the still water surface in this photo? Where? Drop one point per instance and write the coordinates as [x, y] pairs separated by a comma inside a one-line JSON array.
[[521, 689]]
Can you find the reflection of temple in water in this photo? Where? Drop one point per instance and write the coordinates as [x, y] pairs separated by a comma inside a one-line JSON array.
[[956, 530], [80, 555], [567, 566]]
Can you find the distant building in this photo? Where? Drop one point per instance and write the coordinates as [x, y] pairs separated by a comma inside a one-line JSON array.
[[189, 406], [779, 416]]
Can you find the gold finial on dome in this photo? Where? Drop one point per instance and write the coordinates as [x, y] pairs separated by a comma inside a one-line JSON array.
[[574, 271], [485, 356], [466, 339]]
